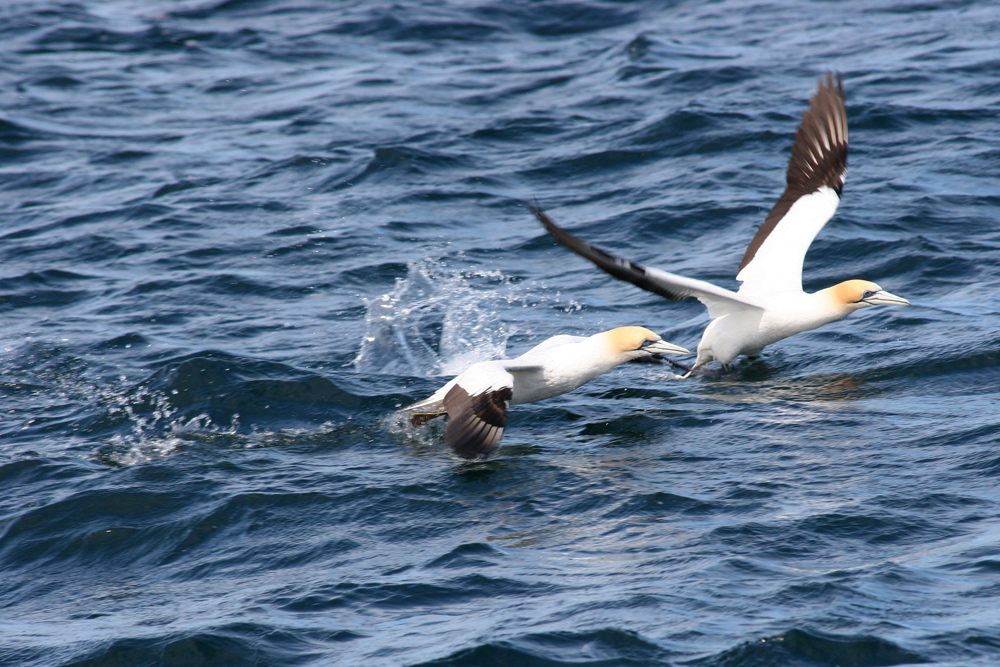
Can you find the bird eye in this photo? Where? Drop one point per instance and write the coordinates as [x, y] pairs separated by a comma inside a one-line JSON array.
[[867, 294], [646, 343]]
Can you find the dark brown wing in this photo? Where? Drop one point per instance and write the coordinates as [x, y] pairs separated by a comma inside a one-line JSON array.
[[670, 285], [475, 421], [620, 268], [819, 156]]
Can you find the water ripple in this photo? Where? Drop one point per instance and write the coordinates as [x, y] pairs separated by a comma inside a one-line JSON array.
[[239, 234]]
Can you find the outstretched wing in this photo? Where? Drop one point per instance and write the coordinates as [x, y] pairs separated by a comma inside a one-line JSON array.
[[815, 179], [477, 410], [669, 285], [548, 344]]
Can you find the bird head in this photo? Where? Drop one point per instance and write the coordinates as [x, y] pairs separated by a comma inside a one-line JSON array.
[[856, 294], [639, 342]]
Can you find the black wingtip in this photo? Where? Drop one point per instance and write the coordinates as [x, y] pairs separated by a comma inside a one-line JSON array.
[[617, 267], [550, 227], [566, 239]]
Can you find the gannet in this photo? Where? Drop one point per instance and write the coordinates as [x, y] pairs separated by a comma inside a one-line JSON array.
[[770, 305], [476, 401]]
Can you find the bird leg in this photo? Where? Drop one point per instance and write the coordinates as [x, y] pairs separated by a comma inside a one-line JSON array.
[[421, 418], [678, 365], [703, 371], [660, 359], [651, 359]]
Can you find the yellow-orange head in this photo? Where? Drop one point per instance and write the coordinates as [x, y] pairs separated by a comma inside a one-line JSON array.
[[852, 294]]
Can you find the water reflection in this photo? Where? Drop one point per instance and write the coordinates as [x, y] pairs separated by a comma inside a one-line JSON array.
[[755, 385]]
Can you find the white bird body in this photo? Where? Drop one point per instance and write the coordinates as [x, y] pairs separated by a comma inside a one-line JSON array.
[[780, 315], [560, 365], [477, 399], [770, 305], [542, 372]]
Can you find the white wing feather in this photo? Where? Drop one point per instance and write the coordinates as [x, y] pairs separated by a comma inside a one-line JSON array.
[[777, 266], [718, 300], [484, 377]]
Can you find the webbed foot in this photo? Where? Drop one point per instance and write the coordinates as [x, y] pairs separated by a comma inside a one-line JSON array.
[[421, 418], [704, 371]]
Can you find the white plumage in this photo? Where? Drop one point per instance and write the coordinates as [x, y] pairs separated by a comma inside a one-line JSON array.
[[770, 305], [477, 400]]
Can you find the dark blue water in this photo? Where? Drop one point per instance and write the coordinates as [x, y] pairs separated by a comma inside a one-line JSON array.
[[237, 234]]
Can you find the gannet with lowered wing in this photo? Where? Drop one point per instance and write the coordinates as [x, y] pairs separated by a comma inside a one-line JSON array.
[[770, 305], [476, 401]]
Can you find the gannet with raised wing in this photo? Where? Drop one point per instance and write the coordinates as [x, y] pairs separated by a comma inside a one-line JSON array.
[[770, 305]]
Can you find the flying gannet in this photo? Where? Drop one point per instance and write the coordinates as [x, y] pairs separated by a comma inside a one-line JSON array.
[[476, 401], [770, 305]]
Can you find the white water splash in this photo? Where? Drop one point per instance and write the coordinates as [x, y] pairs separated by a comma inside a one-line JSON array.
[[154, 435], [436, 321]]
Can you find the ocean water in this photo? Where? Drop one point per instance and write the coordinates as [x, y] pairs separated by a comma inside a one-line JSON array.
[[236, 235]]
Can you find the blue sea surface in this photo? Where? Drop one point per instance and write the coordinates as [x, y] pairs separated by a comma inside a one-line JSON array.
[[237, 235]]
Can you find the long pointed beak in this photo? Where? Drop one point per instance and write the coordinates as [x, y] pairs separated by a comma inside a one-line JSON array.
[[883, 298], [663, 347]]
